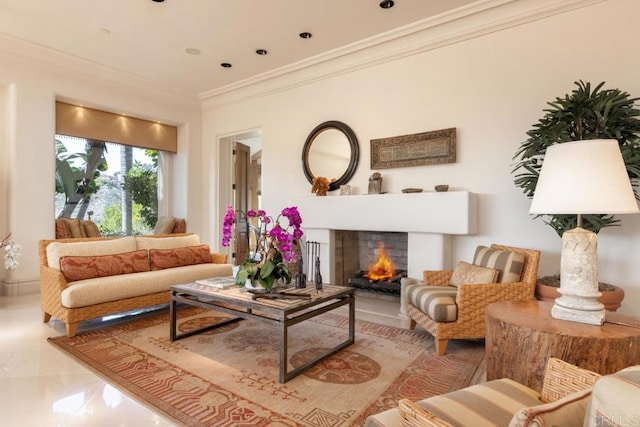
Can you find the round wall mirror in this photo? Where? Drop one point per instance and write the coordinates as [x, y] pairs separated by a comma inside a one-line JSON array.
[[331, 150]]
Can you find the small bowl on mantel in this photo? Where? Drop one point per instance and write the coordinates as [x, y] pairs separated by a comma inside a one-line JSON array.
[[412, 190], [442, 188]]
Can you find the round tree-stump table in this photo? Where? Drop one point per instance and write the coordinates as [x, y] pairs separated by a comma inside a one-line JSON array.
[[522, 335]]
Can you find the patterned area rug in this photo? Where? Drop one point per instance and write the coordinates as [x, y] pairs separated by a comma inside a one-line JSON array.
[[229, 376]]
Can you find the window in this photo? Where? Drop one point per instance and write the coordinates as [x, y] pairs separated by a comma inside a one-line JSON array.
[[114, 185]]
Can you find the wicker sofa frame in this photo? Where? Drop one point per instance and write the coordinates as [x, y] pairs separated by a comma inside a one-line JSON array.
[[472, 300], [53, 282]]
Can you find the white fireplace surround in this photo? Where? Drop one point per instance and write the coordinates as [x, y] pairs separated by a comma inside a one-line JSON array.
[[429, 219]]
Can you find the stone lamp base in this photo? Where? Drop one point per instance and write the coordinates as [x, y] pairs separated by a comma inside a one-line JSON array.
[[579, 279]]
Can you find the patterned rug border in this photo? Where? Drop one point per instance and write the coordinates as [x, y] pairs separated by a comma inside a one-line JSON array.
[[157, 317]]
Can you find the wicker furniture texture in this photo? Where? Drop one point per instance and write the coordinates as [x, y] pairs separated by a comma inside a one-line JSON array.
[[472, 299], [53, 283], [565, 384]]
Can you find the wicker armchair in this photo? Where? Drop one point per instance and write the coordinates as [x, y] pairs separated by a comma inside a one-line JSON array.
[[566, 385], [472, 299]]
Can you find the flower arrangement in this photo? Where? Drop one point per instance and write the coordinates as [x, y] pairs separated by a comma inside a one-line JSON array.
[[274, 245], [12, 253]]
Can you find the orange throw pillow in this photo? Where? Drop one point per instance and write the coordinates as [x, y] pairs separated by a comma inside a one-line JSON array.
[[88, 267], [179, 257]]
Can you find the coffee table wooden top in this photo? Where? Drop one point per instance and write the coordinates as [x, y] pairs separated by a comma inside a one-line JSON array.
[[280, 308]]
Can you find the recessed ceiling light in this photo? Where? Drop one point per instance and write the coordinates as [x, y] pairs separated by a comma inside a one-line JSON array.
[[192, 50], [158, 1], [261, 51], [305, 35], [105, 31], [225, 65], [387, 4]]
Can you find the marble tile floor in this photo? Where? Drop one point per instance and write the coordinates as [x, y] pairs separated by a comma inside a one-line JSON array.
[[41, 386]]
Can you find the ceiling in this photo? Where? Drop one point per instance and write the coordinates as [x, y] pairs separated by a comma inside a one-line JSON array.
[[148, 39]]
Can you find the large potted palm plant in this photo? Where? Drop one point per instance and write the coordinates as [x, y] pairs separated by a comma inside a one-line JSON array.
[[583, 114]]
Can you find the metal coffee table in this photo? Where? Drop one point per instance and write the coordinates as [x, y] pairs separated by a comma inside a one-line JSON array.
[[282, 313]]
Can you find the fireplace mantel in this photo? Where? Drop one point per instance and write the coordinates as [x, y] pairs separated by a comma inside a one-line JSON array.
[[429, 219], [440, 213]]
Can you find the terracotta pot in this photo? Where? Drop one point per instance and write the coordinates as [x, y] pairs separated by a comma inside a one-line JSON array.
[[612, 300]]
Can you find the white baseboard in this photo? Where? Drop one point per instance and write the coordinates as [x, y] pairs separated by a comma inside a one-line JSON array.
[[19, 287]]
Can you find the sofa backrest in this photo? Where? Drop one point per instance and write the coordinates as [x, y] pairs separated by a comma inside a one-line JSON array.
[[50, 257], [57, 250]]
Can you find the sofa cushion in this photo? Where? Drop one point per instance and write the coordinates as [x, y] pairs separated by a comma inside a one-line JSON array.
[[490, 403], [508, 264], [91, 229], [170, 242], [56, 250], [614, 400], [466, 273], [568, 411], [164, 225], [179, 257], [86, 267], [88, 292], [438, 302]]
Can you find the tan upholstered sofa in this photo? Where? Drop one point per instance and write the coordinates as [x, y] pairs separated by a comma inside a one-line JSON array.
[[82, 279], [568, 398]]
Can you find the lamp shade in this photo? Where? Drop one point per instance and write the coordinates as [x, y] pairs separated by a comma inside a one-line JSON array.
[[584, 177]]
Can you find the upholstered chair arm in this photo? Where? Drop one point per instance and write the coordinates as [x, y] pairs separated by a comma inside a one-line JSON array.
[[437, 277], [52, 280], [413, 415], [472, 300]]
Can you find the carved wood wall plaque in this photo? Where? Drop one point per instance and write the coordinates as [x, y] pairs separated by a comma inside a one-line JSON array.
[[427, 148]]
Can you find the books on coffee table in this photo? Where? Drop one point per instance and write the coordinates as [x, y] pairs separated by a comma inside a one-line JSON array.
[[218, 282]]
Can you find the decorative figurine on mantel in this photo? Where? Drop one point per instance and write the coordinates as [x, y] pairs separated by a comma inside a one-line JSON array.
[[375, 183], [320, 186]]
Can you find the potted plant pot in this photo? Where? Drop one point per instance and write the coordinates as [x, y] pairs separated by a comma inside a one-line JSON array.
[[611, 298]]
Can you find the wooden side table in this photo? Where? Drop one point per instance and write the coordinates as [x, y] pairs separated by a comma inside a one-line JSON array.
[[522, 335]]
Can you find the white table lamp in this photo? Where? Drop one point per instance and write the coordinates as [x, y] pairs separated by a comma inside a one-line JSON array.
[[582, 177]]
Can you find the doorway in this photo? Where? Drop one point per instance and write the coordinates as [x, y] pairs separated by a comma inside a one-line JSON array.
[[240, 186]]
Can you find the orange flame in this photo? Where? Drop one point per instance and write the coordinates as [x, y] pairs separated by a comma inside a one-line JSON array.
[[384, 268]]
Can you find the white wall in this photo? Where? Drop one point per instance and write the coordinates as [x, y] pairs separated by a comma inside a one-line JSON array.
[[492, 89], [29, 89]]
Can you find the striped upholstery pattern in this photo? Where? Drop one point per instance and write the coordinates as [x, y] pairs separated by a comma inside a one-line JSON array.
[[488, 404], [508, 264], [438, 302], [614, 400]]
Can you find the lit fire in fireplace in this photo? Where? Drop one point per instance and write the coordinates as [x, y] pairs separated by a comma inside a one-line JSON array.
[[384, 268]]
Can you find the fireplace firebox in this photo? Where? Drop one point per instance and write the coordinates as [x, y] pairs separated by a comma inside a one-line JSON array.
[[372, 261]]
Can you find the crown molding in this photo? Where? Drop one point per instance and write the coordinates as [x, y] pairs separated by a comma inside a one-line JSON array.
[[38, 57], [465, 23]]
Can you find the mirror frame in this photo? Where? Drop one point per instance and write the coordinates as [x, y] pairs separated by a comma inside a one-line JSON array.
[[353, 144]]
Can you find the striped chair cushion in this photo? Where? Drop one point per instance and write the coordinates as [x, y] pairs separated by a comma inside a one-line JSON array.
[[508, 264], [491, 403], [437, 302]]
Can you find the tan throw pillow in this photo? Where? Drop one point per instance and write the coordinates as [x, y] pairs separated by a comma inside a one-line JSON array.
[[74, 227], [88, 267], [179, 257], [90, 228], [164, 225], [472, 274], [509, 264]]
